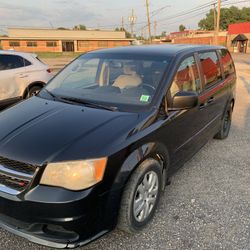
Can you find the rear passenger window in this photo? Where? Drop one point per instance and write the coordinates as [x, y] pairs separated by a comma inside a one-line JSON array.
[[10, 62], [26, 62], [187, 77], [211, 67], [227, 62]]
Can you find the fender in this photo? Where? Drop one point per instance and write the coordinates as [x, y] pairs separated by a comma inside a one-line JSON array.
[[154, 150], [230, 102]]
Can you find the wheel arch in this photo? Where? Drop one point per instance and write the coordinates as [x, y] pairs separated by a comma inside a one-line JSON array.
[[36, 83], [154, 150], [232, 103], [137, 154]]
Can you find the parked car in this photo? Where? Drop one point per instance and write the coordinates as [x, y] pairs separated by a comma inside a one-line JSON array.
[[21, 75], [97, 146]]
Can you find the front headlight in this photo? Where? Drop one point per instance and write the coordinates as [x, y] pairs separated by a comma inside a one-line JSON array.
[[75, 175]]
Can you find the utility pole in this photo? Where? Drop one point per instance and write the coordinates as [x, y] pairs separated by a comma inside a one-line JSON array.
[[218, 24], [123, 24], [149, 24], [132, 21], [155, 28], [215, 18], [142, 33]]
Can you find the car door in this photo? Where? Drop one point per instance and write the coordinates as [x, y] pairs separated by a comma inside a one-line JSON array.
[[215, 93], [12, 76], [182, 131]]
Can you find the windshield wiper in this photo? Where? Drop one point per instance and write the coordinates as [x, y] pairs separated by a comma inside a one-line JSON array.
[[72, 100], [87, 103], [52, 95]]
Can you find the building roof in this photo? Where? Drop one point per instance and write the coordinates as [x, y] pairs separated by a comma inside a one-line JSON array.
[[64, 39], [239, 28], [30, 33], [240, 37]]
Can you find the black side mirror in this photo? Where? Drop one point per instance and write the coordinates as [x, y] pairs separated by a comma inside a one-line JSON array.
[[184, 100]]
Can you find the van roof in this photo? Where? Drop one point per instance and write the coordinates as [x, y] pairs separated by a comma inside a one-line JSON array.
[[161, 49]]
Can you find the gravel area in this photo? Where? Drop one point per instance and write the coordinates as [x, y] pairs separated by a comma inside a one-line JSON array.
[[207, 205]]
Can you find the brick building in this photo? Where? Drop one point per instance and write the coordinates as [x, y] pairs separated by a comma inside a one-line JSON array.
[[52, 40], [196, 37]]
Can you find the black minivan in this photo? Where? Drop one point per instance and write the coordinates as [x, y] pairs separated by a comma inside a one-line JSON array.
[[97, 146]]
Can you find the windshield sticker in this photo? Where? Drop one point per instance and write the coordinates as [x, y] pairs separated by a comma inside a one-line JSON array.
[[144, 98]]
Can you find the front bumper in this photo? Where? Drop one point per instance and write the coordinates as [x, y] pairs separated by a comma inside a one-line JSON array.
[[57, 217]]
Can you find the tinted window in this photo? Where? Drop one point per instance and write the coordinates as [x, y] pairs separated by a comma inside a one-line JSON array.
[[211, 67], [227, 62], [187, 77], [26, 62], [10, 62]]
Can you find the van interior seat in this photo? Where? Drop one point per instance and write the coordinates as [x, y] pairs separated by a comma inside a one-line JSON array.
[[129, 79]]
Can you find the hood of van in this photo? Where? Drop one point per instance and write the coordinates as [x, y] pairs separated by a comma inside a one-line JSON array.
[[37, 131]]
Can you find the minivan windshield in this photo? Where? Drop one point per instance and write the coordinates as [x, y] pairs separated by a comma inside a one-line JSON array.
[[110, 79]]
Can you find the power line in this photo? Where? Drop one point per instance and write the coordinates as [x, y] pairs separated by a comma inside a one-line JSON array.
[[144, 23]]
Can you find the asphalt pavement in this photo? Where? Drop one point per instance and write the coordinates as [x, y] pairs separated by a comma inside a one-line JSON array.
[[207, 205]]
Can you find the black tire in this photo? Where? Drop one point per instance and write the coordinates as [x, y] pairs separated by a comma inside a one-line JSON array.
[[225, 125], [127, 221], [33, 91]]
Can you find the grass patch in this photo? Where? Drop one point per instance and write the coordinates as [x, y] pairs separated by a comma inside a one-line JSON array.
[[58, 54]]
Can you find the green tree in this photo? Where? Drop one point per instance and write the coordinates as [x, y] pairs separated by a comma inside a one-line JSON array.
[[128, 35], [62, 28], [182, 27], [164, 33], [228, 16], [79, 27]]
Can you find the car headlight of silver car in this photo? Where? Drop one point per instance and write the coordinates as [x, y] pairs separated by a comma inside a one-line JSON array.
[[75, 175]]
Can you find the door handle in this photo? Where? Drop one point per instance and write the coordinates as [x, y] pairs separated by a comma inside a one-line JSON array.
[[203, 105], [23, 76], [210, 100], [206, 103]]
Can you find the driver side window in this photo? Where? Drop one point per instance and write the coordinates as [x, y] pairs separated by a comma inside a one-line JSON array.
[[187, 77]]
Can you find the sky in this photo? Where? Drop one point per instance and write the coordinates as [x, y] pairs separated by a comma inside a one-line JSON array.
[[102, 14]]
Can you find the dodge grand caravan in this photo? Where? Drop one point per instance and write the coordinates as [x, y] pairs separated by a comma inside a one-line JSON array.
[[97, 146]]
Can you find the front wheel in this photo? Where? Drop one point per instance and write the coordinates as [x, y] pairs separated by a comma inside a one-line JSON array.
[[141, 196], [225, 125]]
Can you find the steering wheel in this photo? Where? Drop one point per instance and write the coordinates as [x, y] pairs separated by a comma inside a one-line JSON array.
[[149, 87]]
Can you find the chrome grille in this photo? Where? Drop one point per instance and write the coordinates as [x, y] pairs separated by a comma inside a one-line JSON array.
[[15, 176], [18, 166]]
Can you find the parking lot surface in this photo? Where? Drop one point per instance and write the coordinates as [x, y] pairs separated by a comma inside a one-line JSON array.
[[207, 205]]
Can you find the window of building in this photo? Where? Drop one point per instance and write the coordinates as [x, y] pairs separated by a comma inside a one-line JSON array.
[[31, 44], [187, 77], [211, 67], [85, 44], [51, 44], [14, 44], [102, 43], [11, 62], [227, 62]]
